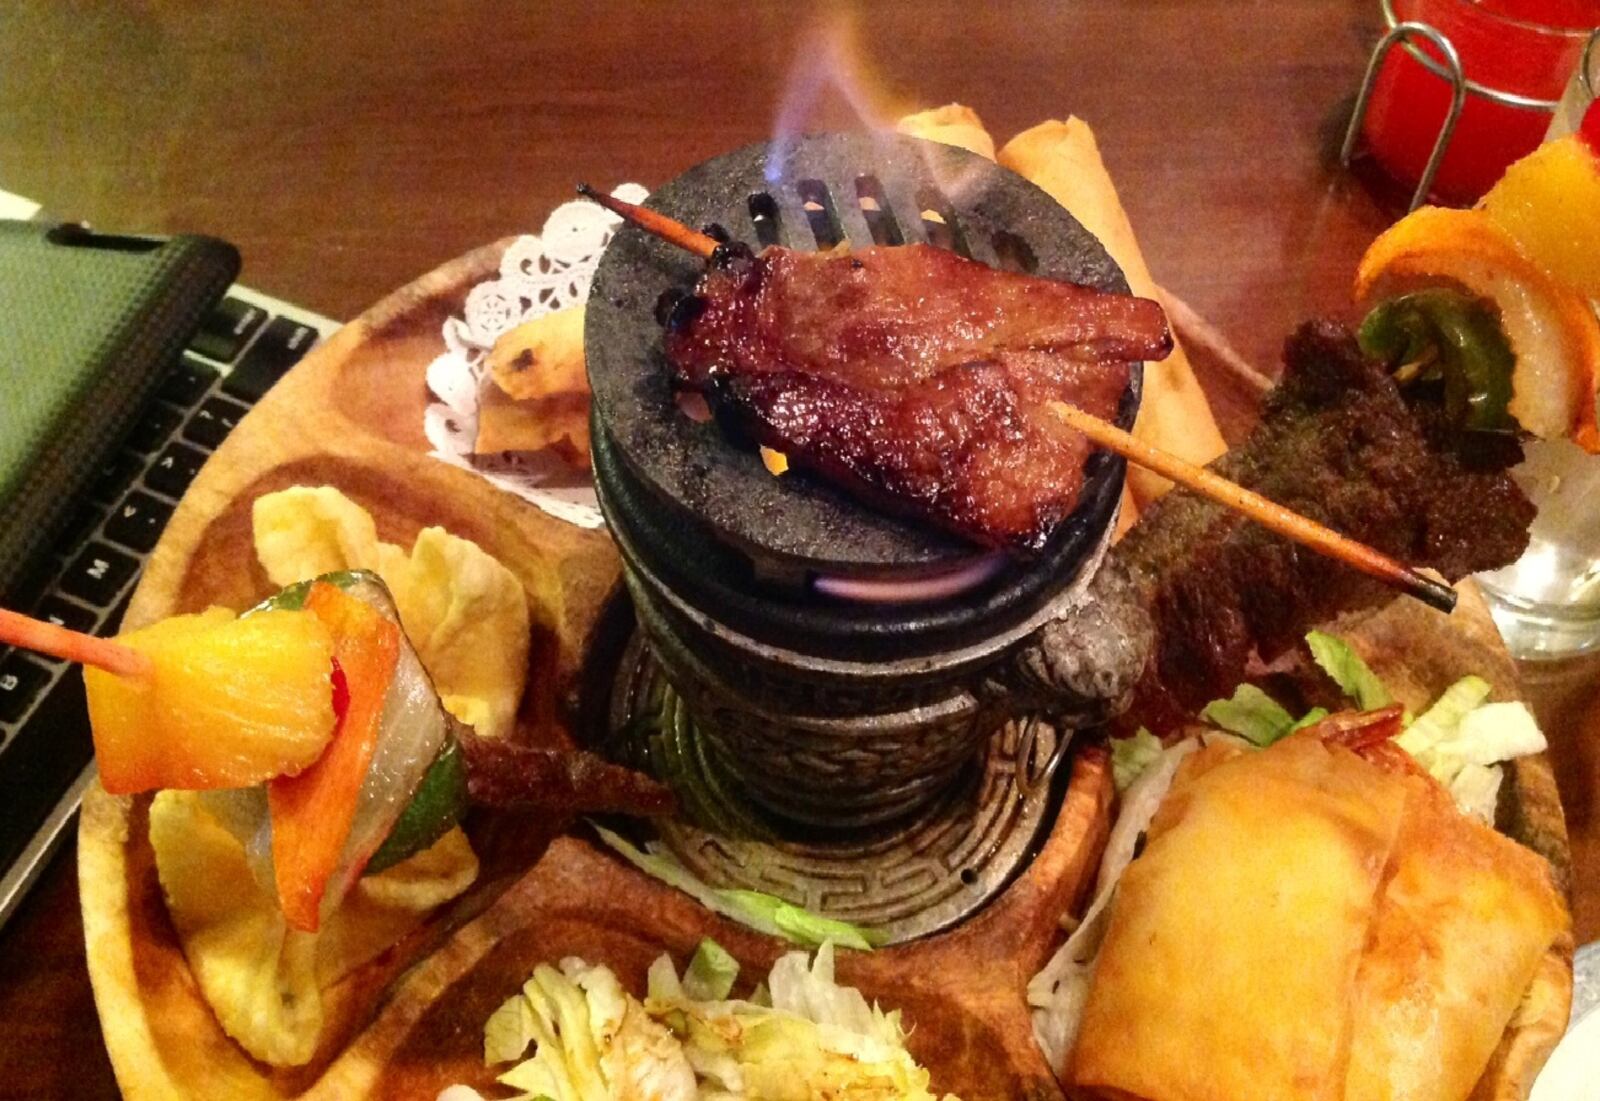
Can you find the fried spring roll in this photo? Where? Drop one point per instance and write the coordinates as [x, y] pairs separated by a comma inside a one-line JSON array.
[[952, 124], [1460, 928], [1305, 924], [1236, 936], [1063, 159]]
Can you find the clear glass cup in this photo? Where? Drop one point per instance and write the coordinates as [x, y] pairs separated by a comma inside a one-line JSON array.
[[1547, 603]]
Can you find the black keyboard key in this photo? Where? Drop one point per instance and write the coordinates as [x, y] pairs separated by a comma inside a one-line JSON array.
[[213, 421], [79, 528], [282, 344], [227, 328], [116, 476], [188, 382], [137, 521], [174, 469], [98, 574], [21, 680], [113, 622], [154, 428], [64, 613], [41, 761]]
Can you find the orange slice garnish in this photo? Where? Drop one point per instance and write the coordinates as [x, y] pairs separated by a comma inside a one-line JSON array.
[[1551, 327], [1549, 202]]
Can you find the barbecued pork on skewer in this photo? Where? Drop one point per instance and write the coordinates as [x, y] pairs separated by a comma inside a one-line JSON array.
[[915, 378]]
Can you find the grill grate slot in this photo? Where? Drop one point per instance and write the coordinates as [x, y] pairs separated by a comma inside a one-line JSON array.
[[817, 202], [874, 207], [939, 222], [764, 217], [794, 221], [691, 473], [1012, 253]]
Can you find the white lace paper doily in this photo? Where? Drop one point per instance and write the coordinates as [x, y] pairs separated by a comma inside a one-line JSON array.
[[538, 275]]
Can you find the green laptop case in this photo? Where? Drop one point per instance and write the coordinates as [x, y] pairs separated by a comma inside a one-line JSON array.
[[89, 325]]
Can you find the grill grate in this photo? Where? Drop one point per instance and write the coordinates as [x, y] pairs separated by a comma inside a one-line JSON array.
[[870, 220], [830, 189]]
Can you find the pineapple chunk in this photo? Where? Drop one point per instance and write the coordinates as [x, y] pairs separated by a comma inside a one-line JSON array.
[[1549, 201], [229, 702]]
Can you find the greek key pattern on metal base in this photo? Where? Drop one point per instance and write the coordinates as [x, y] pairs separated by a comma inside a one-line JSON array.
[[799, 753], [915, 877]]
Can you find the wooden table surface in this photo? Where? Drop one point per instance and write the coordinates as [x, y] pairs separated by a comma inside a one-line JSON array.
[[347, 149]]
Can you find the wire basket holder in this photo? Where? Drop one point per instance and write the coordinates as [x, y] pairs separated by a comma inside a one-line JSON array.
[[1405, 34]]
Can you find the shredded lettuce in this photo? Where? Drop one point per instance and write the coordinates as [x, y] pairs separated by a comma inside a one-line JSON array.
[[509, 1031], [1315, 715], [1132, 755], [459, 1092], [809, 1037], [759, 911], [1476, 790], [1338, 659], [1251, 714], [591, 1040], [661, 981], [1461, 740], [1491, 733], [1434, 725], [818, 1038], [710, 974]]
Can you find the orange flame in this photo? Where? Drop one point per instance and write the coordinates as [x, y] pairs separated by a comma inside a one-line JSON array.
[[833, 85]]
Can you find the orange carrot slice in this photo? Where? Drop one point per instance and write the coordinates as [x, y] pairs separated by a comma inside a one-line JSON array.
[[312, 812]]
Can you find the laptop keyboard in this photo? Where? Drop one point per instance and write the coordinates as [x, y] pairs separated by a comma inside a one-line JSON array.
[[46, 756]]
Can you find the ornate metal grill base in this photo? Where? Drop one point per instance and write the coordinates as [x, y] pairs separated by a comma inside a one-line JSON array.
[[920, 875]]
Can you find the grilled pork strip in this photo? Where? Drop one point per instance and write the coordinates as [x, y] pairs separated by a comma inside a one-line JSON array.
[[915, 378], [1338, 443]]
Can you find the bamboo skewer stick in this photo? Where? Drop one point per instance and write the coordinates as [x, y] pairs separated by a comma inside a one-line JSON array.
[[673, 232], [1269, 514], [1197, 332], [59, 642]]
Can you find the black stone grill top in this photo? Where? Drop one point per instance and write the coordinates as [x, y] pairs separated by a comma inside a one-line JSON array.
[[760, 194]]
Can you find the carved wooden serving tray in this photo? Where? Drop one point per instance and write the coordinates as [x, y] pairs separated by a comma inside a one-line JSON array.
[[410, 1022]]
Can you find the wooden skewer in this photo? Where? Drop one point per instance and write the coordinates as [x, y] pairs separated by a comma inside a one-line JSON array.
[[1269, 514], [1196, 331], [58, 642], [670, 231]]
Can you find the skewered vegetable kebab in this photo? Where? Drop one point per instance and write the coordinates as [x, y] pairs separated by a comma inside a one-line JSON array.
[[315, 736]]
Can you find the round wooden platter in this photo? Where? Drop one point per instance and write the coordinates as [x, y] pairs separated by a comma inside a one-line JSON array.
[[410, 1022]]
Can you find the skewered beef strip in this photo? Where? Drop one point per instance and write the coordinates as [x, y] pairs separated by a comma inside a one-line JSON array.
[[1338, 443], [916, 378], [507, 775]]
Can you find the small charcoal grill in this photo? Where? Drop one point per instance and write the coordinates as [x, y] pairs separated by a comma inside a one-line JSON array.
[[846, 671]]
